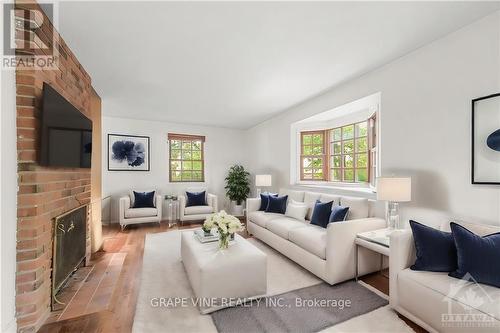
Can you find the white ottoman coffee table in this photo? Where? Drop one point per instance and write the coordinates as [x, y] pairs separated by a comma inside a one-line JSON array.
[[223, 278]]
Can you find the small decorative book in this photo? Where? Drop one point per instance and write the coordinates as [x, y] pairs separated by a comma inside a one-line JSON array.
[[201, 236]]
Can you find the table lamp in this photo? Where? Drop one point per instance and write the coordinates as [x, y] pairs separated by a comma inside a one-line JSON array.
[[262, 181], [394, 191]]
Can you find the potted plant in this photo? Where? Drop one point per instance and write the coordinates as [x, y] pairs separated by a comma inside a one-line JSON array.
[[237, 188]]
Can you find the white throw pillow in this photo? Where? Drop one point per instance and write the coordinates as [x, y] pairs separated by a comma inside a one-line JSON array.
[[296, 210]]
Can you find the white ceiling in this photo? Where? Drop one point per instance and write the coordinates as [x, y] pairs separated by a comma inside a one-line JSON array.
[[236, 64]]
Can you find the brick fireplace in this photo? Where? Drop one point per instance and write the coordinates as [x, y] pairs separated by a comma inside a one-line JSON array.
[[44, 192]]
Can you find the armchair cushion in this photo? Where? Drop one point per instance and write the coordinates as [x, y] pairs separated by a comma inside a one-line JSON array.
[[436, 251], [144, 199], [192, 210], [132, 196], [140, 212], [196, 199]]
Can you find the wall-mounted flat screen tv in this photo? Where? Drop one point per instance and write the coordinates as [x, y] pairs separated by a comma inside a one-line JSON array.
[[66, 133]]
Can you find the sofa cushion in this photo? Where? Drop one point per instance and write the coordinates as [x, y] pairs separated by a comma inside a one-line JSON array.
[[261, 218], [435, 249], [477, 228], [358, 207], [277, 204], [282, 226], [321, 213], [311, 238], [264, 200], [330, 197], [339, 214], [293, 195], [140, 212], [477, 256], [310, 199], [296, 210], [458, 290], [193, 210]]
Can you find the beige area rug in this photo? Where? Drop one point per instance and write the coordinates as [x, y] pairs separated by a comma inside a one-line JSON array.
[[164, 279]]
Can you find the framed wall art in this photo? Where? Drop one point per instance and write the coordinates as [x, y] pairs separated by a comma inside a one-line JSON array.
[[128, 153], [486, 140]]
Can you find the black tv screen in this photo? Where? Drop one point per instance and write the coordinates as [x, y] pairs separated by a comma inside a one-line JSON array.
[[66, 134]]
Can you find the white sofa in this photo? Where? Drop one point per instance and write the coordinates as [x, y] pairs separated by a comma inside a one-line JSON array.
[[430, 298], [197, 213], [129, 215], [327, 253]]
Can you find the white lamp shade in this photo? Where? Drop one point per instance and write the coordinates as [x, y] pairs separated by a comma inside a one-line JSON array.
[[263, 180], [394, 189]]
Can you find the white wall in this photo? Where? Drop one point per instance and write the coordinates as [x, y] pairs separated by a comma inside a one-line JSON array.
[[223, 148], [425, 122], [8, 199]]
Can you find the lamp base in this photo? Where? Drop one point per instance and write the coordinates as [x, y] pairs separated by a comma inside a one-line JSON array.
[[392, 217], [259, 191]]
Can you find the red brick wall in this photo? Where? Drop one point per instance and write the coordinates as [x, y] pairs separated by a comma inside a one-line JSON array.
[[44, 192]]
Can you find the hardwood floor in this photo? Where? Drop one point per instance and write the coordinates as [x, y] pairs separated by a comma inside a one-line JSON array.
[[120, 314]]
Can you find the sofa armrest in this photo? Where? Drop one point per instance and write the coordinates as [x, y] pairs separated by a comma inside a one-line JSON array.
[[212, 201], [253, 205], [159, 206], [182, 206], [123, 204], [340, 247], [402, 256]]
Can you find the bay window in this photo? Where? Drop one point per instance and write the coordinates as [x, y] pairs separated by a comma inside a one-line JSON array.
[[340, 154]]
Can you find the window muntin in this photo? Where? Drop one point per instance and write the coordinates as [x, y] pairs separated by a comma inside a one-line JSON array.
[[186, 158]]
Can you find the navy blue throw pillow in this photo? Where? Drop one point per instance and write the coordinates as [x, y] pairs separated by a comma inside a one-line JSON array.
[[196, 199], [436, 251], [276, 204], [321, 213], [339, 214], [144, 199], [264, 200], [478, 256]]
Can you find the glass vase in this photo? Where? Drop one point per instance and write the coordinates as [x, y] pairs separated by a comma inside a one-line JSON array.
[[223, 241]]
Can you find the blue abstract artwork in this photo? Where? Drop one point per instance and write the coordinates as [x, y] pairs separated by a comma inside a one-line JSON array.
[[493, 140], [128, 152], [486, 140]]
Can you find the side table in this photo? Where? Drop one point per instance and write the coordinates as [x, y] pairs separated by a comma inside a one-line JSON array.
[[172, 212], [377, 241]]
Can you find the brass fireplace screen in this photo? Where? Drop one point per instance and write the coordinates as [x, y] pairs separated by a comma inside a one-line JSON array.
[[69, 246]]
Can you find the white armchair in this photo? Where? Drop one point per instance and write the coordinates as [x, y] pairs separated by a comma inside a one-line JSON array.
[[196, 213], [130, 215]]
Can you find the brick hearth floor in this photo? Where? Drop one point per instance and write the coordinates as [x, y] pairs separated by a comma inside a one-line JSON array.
[[91, 288]]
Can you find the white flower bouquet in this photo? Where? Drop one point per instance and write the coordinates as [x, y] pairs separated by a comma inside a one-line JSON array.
[[227, 225]]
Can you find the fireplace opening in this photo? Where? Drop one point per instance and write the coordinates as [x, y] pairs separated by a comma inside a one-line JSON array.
[[70, 237]]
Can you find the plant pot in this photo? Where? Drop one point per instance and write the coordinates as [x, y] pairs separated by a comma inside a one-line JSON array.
[[236, 210]]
